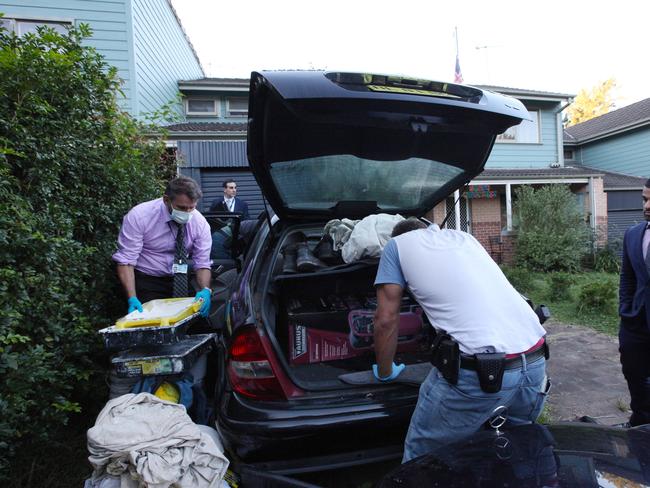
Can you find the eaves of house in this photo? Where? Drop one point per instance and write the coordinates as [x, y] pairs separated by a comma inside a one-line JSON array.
[[207, 130]]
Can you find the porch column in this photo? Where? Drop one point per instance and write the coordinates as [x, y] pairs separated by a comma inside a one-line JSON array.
[[592, 204], [508, 207], [457, 208]]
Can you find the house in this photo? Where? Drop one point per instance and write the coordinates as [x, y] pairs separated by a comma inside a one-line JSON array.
[[143, 39], [616, 144], [211, 143]]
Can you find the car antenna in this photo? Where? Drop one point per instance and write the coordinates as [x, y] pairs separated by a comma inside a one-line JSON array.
[[460, 194]]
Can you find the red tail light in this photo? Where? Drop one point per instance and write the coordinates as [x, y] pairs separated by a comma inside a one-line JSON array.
[[250, 371]]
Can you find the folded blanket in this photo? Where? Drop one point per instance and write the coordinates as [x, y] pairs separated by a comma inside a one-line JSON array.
[[153, 443]]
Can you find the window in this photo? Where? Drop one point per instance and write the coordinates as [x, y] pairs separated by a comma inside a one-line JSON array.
[[24, 26], [200, 106], [568, 154], [237, 107], [525, 133], [450, 204]]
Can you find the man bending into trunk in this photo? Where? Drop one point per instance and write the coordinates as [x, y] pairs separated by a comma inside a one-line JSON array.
[[490, 347]]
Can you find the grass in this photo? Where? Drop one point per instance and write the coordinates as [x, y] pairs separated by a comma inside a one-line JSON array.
[[567, 307], [546, 417]]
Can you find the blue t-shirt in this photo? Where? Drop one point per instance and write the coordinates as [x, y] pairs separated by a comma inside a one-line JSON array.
[[389, 270]]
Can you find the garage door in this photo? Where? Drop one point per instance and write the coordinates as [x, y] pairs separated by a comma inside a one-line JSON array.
[[212, 185], [624, 209], [618, 221]]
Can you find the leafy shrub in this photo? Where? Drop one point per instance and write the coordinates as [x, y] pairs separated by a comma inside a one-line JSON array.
[[559, 284], [520, 278], [597, 296], [552, 233], [71, 165], [606, 258]]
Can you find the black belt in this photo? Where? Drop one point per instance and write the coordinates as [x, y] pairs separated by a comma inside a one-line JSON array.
[[470, 362]]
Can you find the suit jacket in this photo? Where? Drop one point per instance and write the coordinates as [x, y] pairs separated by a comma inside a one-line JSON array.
[[634, 289], [241, 207]]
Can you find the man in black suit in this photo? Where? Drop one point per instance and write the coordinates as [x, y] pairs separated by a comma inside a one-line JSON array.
[[634, 309], [229, 202]]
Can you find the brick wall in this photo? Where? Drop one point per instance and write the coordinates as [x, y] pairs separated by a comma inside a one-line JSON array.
[[601, 212], [486, 225]]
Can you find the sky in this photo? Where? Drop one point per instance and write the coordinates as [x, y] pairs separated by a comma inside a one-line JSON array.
[[555, 46]]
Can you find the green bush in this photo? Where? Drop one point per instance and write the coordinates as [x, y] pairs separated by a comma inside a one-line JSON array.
[[559, 284], [597, 296], [606, 258], [71, 165], [520, 278], [552, 234]]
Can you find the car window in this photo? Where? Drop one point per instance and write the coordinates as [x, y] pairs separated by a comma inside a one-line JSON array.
[[322, 182]]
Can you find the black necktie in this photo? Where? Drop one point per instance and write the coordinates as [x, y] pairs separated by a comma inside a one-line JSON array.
[[180, 258]]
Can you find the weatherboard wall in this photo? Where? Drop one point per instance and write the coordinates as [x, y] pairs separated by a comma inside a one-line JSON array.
[[627, 153], [162, 56], [542, 154]]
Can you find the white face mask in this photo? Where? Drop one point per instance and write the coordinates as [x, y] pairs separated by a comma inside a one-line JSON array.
[[181, 217]]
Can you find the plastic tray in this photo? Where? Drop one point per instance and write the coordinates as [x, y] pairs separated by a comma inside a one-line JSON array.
[[162, 360], [160, 313], [119, 339]]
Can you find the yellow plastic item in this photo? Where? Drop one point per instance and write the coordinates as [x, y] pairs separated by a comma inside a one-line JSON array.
[[160, 313], [168, 391]]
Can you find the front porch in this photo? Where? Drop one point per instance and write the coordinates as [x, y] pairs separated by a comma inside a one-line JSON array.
[[486, 208]]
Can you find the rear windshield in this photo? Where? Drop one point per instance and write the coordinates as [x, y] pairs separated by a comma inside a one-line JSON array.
[[322, 182]]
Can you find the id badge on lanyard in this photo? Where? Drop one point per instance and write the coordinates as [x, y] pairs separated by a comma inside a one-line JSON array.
[[179, 268]]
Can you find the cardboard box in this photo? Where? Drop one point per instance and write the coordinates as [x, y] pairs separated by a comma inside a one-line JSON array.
[[311, 345]]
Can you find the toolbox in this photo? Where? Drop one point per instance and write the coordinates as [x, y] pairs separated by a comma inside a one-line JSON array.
[[165, 359]]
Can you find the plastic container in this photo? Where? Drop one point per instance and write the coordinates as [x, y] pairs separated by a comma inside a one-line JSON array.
[[165, 359], [162, 321], [120, 339], [160, 313]]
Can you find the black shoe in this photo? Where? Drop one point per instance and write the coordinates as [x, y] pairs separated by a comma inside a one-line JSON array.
[[289, 253], [305, 260], [325, 251]]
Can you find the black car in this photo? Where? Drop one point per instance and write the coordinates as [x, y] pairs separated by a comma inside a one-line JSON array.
[[567, 455], [561, 455], [326, 146]]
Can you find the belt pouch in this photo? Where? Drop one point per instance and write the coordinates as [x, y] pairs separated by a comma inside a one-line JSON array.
[[448, 360], [489, 368]]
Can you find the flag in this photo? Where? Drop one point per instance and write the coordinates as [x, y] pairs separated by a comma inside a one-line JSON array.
[[458, 76]]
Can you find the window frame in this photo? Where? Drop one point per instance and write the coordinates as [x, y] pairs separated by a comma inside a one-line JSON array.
[[215, 104], [536, 113], [15, 22], [236, 113]]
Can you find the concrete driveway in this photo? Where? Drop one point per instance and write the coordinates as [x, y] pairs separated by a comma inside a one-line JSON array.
[[586, 376]]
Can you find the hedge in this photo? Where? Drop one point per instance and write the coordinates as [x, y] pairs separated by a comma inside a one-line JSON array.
[[71, 164]]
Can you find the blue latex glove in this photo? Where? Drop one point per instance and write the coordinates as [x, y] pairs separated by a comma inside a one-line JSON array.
[[134, 304], [395, 371], [204, 295]]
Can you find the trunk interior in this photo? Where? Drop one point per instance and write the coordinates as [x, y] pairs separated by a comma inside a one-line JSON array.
[[323, 319]]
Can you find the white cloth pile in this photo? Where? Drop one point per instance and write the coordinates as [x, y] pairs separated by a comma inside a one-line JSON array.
[[149, 442], [366, 238]]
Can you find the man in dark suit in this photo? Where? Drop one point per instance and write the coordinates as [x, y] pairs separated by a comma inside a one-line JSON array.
[[229, 202], [634, 309]]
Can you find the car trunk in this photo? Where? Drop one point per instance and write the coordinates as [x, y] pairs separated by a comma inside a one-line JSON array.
[[333, 145], [322, 321]]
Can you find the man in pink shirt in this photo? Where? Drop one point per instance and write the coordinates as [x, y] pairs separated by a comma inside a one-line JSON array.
[[148, 256]]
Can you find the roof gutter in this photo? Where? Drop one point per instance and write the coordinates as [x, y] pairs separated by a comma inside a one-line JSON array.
[[560, 131]]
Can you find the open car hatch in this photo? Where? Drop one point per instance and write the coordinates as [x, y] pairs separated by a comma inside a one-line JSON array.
[[328, 145]]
